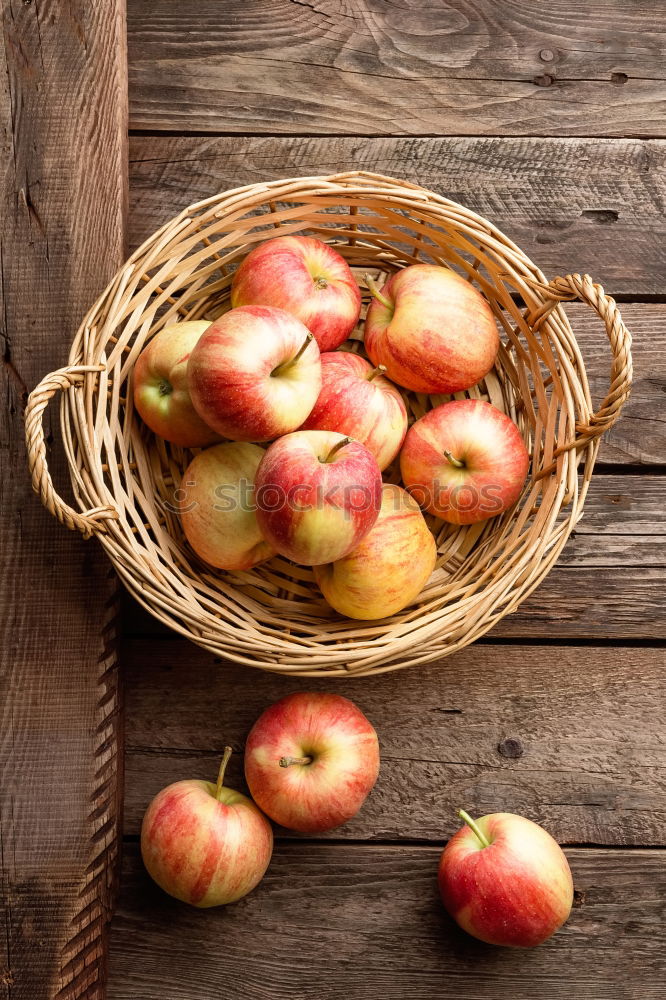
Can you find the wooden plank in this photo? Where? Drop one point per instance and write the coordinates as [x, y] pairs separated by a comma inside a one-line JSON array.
[[572, 737], [374, 68], [63, 109], [607, 583], [572, 204], [363, 922]]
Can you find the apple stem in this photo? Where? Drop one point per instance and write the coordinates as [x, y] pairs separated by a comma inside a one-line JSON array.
[[474, 826], [288, 761], [455, 462], [379, 370], [287, 364], [374, 291], [220, 774], [336, 448]]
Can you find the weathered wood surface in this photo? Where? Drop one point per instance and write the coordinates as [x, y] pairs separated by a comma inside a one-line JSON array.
[[360, 922], [376, 68], [607, 584], [63, 108], [550, 732], [572, 204]]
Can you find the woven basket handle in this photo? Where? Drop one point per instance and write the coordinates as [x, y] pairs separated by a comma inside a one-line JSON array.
[[89, 521], [576, 286]]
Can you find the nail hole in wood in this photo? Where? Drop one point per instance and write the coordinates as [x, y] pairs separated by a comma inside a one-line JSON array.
[[511, 748]]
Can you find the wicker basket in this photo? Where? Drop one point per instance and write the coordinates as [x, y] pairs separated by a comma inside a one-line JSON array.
[[273, 616]]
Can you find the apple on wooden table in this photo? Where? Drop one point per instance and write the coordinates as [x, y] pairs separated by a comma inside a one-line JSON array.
[[431, 329], [358, 400], [311, 760], [464, 461], [388, 568], [255, 374], [317, 493], [505, 880], [217, 509], [161, 392], [307, 278], [204, 843]]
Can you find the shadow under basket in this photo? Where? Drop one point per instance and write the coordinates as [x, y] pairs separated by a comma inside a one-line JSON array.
[[125, 479]]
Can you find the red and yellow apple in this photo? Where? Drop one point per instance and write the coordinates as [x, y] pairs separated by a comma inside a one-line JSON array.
[[217, 507], [311, 760], [431, 329], [464, 461], [317, 493], [307, 278], [205, 844], [389, 567], [505, 880], [356, 399], [161, 394], [255, 374]]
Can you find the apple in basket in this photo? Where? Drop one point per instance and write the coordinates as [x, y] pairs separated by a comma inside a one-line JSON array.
[[433, 331], [317, 494], [464, 461], [389, 567], [311, 760], [217, 509], [356, 399], [161, 393], [505, 880], [307, 278], [204, 843], [255, 374]]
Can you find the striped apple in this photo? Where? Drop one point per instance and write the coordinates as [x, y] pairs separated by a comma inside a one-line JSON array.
[[389, 567], [464, 461], [505, 880], [310, 761], [317, 494], [358, 400], [307, 278], [217, 506], [255, 374], [161, 393], [204, 843], [432, 330]]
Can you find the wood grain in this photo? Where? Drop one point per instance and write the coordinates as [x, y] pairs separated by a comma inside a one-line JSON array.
[[359, 922], [608, 582], [572, 737], [63, 108], [571, 204], [374, 67]]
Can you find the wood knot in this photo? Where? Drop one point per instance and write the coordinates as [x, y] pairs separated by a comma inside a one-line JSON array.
[[546, 80], [547, 55], [619, 79], [511, 748], [578, 897]]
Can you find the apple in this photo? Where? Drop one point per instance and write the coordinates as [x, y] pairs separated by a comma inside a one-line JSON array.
[[464, 461], [161, 394], [205, 844], [356, 399], [317, 493], [311, 760], [307, 278], [390, 566], [217, 509], [505, 880], [255, 374], [432, 329]]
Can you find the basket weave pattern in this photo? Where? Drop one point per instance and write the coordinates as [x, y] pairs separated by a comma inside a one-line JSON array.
[[125, 479]]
